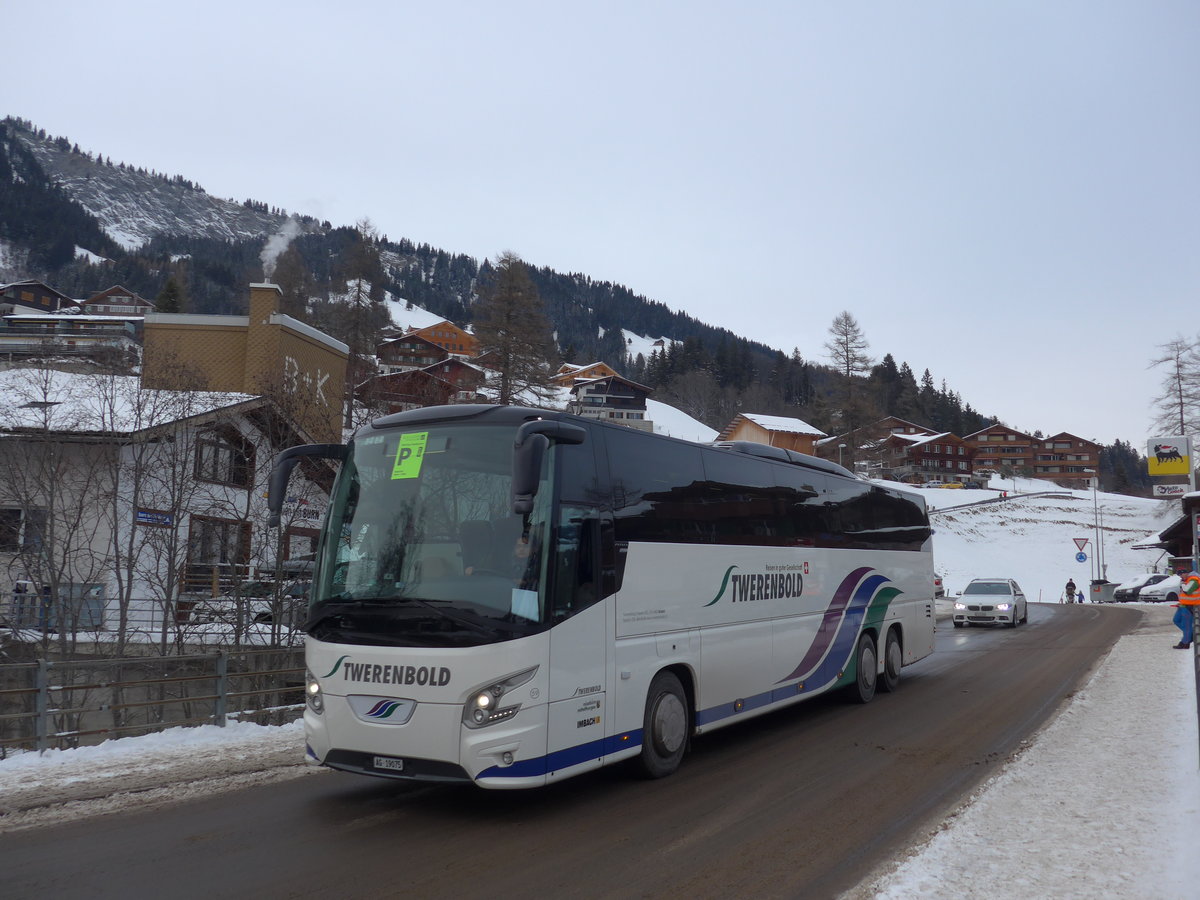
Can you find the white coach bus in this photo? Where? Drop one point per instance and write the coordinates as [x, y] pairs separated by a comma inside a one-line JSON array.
[[513, 596]]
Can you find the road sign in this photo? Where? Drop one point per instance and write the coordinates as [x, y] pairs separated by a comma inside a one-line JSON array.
[[1081, 557], [1080, 543]]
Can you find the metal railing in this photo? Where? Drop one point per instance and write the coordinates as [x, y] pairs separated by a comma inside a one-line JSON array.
[[52, 704]]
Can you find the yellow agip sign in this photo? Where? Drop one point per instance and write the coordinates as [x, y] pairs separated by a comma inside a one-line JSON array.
[[1169, 455]]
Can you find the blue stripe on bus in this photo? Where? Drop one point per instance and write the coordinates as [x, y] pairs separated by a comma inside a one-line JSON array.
[[564, 759]]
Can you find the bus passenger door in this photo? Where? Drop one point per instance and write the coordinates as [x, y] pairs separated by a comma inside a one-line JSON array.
[[578, 707]]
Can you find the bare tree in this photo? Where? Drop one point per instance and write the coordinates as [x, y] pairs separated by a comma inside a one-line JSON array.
[[1176, 407], [848, 353]]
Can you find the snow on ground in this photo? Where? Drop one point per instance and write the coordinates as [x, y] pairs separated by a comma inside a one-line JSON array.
[[1032, 539], [1103, 803], [646, 346], [670, 421], [406, 317]]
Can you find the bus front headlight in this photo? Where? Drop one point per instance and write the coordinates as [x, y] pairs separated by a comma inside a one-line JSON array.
[[312, 693], [483, 706]]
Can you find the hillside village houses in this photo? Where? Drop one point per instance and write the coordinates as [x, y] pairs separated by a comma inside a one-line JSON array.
[[898, 450]]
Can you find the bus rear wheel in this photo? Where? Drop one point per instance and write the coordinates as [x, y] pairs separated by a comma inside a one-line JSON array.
[[664, 727], [893, 661], [866, 665]]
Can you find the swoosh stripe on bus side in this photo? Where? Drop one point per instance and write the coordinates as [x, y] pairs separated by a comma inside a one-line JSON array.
[[830, 623]]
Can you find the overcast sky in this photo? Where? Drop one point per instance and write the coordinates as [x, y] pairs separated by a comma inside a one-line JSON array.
[[1006, 194]]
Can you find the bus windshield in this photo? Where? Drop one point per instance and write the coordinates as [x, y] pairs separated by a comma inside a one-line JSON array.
[[421, 548]]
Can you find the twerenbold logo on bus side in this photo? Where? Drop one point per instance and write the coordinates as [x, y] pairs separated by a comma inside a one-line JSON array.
[[764, 586]]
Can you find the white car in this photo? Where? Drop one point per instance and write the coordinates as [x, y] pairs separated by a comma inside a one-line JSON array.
[[1131, 589], [1166, 591], [991, 601]]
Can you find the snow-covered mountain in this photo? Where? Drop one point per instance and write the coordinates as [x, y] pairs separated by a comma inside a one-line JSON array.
[[134, 206]]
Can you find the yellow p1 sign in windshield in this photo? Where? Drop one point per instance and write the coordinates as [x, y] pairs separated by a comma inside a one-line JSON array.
[[410, 453]]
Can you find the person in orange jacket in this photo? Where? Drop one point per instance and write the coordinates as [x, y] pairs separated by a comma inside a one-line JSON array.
[[1189, 599]]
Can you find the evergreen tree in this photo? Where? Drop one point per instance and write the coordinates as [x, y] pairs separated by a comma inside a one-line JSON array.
[[513, 331], [170, 298], [295, 282]]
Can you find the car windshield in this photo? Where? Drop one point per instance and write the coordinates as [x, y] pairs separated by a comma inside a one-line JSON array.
[[988, 587], [421, 548]]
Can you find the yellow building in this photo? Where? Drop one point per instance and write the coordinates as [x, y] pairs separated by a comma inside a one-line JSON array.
[[302, 369]]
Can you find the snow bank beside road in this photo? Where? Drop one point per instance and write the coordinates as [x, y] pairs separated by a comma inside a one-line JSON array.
[[37, 789]]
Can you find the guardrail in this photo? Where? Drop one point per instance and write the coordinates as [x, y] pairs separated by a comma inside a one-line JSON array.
[[991, 501], [70, 703]]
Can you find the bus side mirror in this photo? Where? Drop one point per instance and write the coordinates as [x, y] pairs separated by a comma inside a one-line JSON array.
[[281, 471], [529, 449]]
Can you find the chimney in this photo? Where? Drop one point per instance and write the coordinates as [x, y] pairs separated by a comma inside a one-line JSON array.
[[264, 300]]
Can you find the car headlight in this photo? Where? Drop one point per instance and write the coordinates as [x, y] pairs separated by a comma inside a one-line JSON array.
[[483, 706], [312, 693], [960, 605], [1004, 607]]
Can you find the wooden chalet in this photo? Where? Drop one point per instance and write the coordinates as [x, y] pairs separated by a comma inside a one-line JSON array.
[[774, 431]]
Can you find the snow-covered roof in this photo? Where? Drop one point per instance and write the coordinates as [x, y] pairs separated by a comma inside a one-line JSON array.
[[782, 423], [83, 403], [924, 438]]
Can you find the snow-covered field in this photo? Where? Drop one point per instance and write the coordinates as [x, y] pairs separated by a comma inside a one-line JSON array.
[[1103, 803]]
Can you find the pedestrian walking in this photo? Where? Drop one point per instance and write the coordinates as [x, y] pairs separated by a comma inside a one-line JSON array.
[[1070, 589]]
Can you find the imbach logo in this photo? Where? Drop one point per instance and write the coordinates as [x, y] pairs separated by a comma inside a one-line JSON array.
[[369, 673], [764, 586]]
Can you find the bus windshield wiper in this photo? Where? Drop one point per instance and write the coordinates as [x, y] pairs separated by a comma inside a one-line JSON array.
[[456, 617]]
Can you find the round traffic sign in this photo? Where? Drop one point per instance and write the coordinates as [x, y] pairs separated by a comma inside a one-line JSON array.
[[1081, 557]]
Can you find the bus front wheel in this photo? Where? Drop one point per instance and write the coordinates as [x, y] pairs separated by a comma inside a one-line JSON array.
[[866, 665], [664, 726]]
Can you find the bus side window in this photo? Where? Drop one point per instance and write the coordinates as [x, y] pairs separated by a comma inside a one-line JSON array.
[[804, 511], [656, 485]]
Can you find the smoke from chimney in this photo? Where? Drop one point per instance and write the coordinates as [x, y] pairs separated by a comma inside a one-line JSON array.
[[275, 246]]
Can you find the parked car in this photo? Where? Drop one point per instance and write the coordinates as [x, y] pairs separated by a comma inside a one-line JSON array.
[[254, 602], [1165, 591], [991, 601], [1129, 590], [953, 484]]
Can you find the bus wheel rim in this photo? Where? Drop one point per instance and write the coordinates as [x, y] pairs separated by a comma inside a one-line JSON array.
[[894, 660], [669, 724], [867, 664]]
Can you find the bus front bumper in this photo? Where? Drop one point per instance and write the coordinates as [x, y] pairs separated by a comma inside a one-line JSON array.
[[433, 745]]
